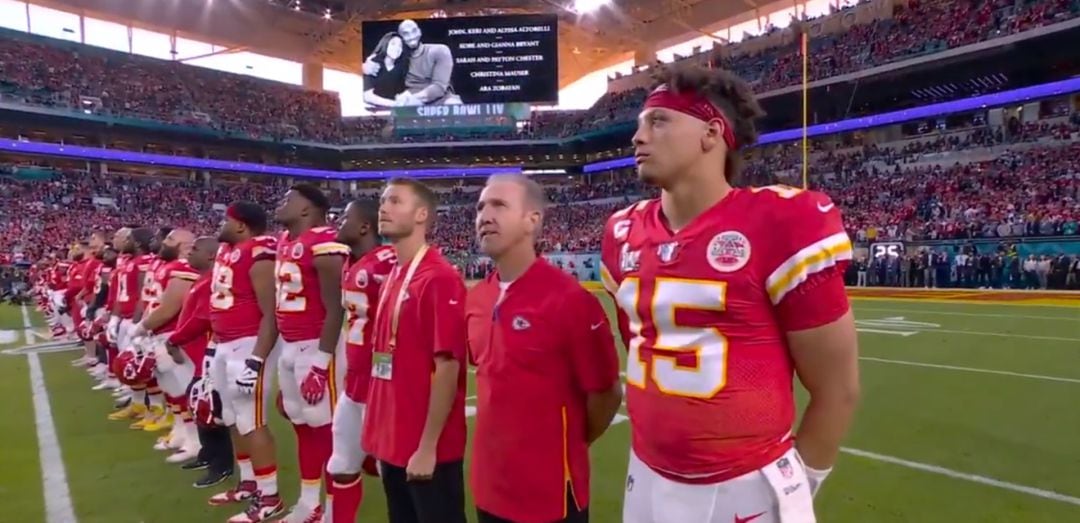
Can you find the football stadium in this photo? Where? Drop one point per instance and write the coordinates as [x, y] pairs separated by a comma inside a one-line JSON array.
[[639, 261]]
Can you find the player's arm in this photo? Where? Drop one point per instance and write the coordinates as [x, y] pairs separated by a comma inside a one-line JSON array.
[[172, 299], [811, 306], [194, 326], [374, 99], [136, 294], [328, 268], [440, 75], [442, 308], [594, 362], [262, 281]]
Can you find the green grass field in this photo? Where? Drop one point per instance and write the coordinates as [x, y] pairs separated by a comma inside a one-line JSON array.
[[968, 415]]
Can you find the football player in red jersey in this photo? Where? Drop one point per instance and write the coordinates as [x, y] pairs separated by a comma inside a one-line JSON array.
[[76, 280], [724, 294], [98, 310], [414, 422], [90, 277], [370, 264], [309, 316], [132, 273], [170, 283], [242, 318]]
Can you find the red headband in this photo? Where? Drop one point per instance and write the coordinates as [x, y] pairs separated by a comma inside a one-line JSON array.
[[691, 103], [230, 212]]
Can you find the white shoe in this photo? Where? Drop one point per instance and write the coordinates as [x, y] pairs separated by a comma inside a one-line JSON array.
[[113, 383], [81, 361], [185, 454], [162, 443], [121, 391], [99, 371], [101, 385]]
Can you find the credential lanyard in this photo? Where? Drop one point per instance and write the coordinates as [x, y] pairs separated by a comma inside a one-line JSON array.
[[402, 293]]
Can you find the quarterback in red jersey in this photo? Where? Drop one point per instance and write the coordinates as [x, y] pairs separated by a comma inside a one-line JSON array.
[[309, 316], [363, 277], [242, 318], [723, 295]]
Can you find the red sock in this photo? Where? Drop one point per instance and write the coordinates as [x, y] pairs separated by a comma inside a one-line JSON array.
[[314, 445], [347, 500]]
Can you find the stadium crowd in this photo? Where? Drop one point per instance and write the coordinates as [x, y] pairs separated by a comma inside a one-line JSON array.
[[39, 71]]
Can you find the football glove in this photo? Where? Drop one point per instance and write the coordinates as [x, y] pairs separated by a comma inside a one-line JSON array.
[[208, 360], [314, 386], [165, 362], [253, 367]]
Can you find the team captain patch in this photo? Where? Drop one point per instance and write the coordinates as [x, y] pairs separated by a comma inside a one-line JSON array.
[[728, 251]]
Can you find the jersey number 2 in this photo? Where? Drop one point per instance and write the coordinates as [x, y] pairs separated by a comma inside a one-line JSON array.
[[660, 341], [290, 284]]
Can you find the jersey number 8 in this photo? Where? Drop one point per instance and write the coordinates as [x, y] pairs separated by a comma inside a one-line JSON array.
[[660, 341]]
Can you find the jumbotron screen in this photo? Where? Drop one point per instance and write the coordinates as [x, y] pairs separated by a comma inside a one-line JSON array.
[[482, 59]]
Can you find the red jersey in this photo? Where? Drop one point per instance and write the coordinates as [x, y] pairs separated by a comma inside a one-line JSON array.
[[76, 278], [150, 292], [704, 312], [58, 275], [299, 307], [431, 321], [127, 283], [541, 345], [360, 286], [234, 309], [114, 278], [160, 280], [193, 326], [91, 278]]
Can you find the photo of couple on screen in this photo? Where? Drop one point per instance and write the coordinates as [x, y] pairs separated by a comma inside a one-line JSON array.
[[403, 71]]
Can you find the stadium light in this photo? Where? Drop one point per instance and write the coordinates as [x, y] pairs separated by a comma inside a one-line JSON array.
[[587, 6]]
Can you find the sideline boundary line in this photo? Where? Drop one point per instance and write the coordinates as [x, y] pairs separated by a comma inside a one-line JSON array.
[[955, 474], [54, 484]]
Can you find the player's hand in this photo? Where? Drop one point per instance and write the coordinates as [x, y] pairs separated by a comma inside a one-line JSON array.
[[314, 386], [370, 67], [253, 367], [421, 466], [208, 360]]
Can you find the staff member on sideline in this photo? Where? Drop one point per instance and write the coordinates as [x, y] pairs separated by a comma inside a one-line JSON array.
[[547, 372], [415, 419]]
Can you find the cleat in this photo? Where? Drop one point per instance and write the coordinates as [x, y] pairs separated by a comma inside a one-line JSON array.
[[301, 514], [122, 402], [243, 492], [152, 414], [262, 508], [185, 454], [212, 478], [162, 443], [162, 422], [197, 464], [131, 411]]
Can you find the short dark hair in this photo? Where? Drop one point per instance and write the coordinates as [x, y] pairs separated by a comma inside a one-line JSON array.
[[163, 232], [422, 191], [368, 209], [142, 236], [250, 214], [84, 244], [313, 194], [729, 93]]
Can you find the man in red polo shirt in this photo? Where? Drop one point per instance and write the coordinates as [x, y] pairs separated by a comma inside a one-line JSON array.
[[547, 377], [415, 419]]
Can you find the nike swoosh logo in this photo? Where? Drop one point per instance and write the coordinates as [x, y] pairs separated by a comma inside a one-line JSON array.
[[453, 302], [748, 519], [597, 326], [826, 208]]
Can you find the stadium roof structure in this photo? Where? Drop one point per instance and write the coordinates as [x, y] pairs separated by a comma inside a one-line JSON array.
[[328, 31]]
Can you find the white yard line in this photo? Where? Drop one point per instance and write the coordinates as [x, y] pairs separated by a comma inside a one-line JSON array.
[[58, 508], [971, 314], [971, 369], [974, 478], [1005, 335]]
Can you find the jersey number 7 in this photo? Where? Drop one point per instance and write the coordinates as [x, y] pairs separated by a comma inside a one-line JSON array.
[[659, 340]]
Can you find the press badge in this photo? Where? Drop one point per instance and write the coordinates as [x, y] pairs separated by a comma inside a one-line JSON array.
[[382, 365]]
